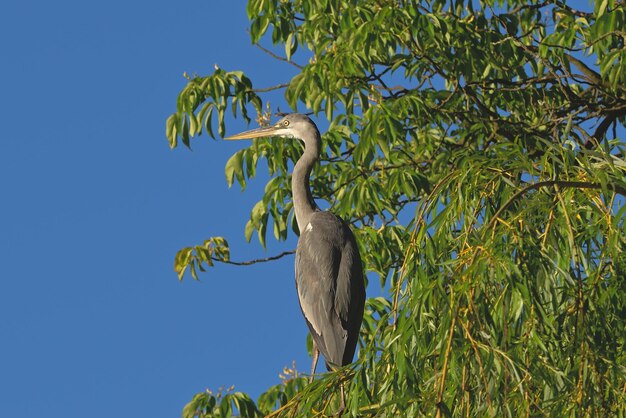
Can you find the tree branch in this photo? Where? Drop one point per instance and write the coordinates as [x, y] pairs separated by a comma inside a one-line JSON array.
[[258, 260], [587, 72], [600, 132], [278, 57], [577, 13], [272, 88]]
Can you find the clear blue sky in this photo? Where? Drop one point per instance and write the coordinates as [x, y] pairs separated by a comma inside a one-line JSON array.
[[93, 321]]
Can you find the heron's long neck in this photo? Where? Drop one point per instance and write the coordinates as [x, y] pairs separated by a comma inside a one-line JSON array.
[[303, 202]]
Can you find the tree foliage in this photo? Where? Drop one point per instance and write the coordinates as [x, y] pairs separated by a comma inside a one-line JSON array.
[[475, 149]]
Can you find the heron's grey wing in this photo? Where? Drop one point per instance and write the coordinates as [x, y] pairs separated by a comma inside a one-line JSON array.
[[318, 261], [350, 293]]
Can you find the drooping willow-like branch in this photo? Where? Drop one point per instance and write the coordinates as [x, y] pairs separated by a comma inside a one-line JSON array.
[[561, 183]]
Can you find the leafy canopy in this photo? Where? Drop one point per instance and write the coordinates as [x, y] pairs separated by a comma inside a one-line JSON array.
[[477, 150]]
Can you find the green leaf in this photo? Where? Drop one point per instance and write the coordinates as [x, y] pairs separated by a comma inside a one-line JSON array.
[[234, 168]]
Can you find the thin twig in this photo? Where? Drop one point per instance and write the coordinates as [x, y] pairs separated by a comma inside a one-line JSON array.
[[258, 260], [444, 369], [272, 88], [577, 13], [278, 57]]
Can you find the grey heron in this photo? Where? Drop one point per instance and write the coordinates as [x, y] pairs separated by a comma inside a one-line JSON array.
[[329, 272]]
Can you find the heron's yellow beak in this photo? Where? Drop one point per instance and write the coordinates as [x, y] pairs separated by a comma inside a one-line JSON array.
[[255, 133]]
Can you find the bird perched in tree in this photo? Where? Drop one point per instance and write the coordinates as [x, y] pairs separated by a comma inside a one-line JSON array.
[[329, 273]]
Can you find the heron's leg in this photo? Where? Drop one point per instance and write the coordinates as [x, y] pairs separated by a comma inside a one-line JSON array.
[[316, 356]]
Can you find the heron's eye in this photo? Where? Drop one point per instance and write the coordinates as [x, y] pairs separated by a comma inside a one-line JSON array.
[[286, 123]]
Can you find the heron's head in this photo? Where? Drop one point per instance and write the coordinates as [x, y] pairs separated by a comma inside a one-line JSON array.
[[294, 125]]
